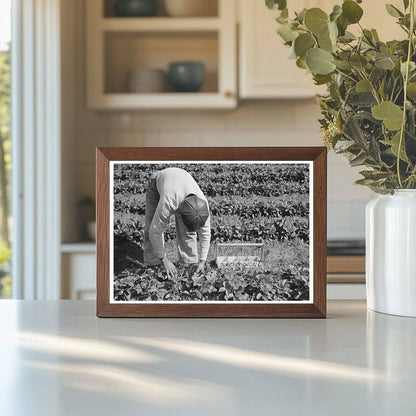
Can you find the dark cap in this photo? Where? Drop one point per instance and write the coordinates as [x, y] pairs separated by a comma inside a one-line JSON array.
[[194, 212]]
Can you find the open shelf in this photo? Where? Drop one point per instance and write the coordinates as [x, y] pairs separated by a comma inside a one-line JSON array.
[[116, 46], [127, 51], [130, 101], [79, 247], [160, 24], [108, 9]]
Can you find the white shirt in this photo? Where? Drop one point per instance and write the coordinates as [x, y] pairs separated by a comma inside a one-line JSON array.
[[173, 185]]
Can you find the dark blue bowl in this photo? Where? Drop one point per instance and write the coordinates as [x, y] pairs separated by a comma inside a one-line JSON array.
[[136, 8], [186, 76]]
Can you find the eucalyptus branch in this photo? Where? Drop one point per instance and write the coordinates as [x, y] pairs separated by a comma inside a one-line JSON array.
[[379, 121], [406, 80], [369, 41], [346, 75], [373, 89]]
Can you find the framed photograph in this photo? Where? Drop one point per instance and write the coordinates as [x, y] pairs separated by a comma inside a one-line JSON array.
[[211, 232]]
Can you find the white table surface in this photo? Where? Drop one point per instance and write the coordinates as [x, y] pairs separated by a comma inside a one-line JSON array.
[[57, 359]]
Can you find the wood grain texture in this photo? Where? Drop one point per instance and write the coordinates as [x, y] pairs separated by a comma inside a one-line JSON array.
[[103, 231], [345, 278], [346, 264], [317, 309], [319, 229]]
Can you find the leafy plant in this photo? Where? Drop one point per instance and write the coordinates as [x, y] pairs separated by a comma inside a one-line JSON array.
[[369, 112], [234, 282], [278, 217]]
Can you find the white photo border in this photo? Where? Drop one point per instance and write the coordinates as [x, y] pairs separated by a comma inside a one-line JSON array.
[[191, 162]]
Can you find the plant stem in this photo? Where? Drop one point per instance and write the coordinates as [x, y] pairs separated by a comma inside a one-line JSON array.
[[345, 75], [373, 89], [392, 90], [406, 80]]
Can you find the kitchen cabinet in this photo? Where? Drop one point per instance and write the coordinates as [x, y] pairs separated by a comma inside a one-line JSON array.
[[265, 70], [78, 264], [116, 46]]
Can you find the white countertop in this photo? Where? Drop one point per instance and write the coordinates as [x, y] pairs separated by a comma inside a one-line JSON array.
[[57, 359]]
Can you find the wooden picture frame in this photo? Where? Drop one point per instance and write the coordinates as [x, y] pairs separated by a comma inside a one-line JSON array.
[[315, 307]]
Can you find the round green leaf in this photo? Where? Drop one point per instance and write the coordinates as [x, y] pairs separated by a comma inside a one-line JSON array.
[[351, 11], [394, 144], [316, 20], [333, 32], [358, 61], [385, 63], [342, 25], [327, 40], [411, 90], [336, 12], [286, 32], [403, 65], [391, 114], [321, 79], [342, 64], [301, 63], [300, 16], [319, 61], [363, 86], [276, 4], [303, 43], [324, 42], [347, 37]]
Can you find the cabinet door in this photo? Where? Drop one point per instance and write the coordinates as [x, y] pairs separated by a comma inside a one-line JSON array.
[[265, 68], [78, 276]]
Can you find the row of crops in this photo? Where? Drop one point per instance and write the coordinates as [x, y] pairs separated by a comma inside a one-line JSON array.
[[248, 209], [229, 172], [248, 203], [230, 179], [223, 230], [234, 283]]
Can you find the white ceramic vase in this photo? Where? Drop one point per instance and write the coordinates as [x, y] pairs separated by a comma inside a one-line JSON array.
[[391, 253]]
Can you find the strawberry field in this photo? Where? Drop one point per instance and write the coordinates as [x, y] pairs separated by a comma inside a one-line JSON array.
[[267, 203]]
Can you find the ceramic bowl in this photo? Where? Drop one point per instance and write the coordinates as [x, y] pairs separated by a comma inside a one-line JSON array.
[[147, 80], [135, 8], [186, 76]]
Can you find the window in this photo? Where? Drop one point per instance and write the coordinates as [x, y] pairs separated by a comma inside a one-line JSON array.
[[5, 144]]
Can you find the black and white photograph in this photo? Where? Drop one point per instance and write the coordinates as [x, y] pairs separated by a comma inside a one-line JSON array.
[[211, 232]]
